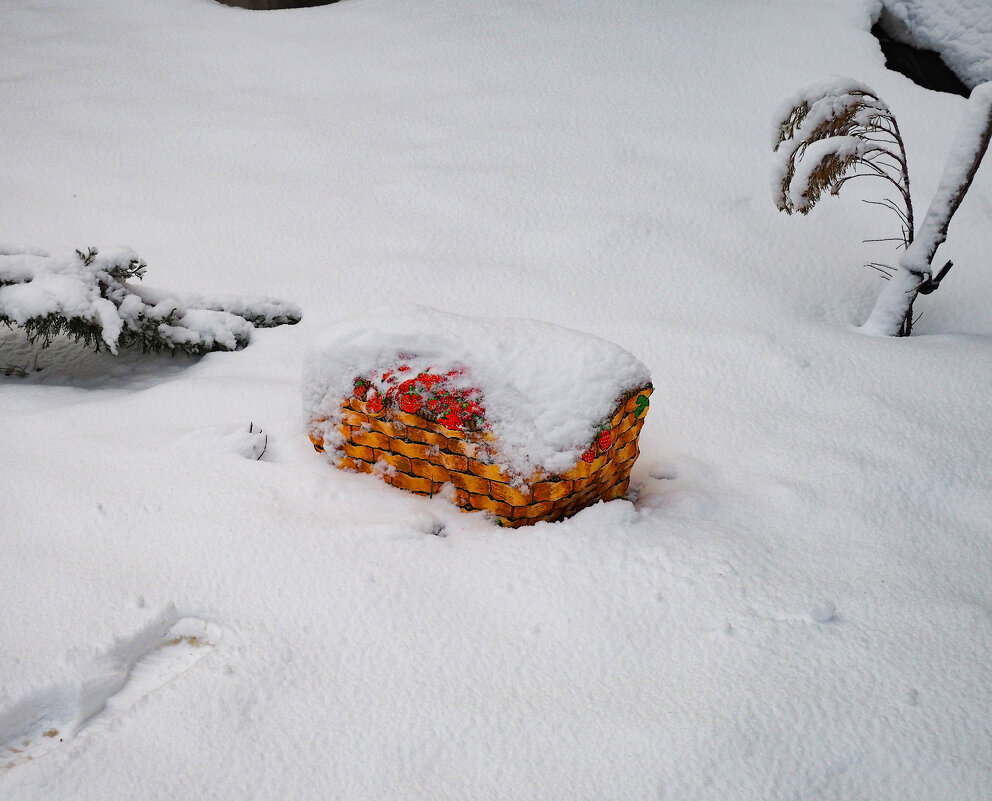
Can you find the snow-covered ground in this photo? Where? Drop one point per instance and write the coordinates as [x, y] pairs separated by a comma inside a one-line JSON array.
[[796, 602]]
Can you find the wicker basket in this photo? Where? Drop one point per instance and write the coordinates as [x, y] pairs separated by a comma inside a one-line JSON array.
[[415, 454]]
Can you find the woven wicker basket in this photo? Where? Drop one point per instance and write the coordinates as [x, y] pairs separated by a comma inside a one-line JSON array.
[[415, 454]]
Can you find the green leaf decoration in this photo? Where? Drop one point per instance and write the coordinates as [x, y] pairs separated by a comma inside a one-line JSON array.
[[641, 404]]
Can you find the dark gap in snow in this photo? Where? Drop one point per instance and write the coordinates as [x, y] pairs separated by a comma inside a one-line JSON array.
[[272, 5], [923, 67]]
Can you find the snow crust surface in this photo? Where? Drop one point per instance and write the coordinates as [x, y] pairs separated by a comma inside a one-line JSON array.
[[545, 388], [794, 602]]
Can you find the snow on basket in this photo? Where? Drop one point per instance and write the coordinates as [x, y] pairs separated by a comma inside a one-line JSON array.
[[524, 420]]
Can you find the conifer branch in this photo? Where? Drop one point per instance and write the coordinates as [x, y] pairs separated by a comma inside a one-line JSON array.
[[87, 297]]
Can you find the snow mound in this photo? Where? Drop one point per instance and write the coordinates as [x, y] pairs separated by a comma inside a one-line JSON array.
[[960, 30], [545, 389]]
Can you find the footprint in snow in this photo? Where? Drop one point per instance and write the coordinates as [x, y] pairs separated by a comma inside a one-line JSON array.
[[111, 685]]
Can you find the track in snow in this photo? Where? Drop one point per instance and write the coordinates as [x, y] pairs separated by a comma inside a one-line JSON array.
[[111, 685]]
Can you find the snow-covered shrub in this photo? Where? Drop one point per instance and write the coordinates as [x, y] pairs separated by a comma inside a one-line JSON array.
[[837, 129], [91, 297]]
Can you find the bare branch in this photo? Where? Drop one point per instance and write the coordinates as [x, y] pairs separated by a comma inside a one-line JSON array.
[[884, 269]]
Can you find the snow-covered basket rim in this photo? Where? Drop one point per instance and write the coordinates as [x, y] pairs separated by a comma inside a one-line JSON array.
[[546, 388]]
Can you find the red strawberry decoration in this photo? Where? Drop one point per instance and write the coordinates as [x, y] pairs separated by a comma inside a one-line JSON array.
[[604, 440], [589, 456], [431, 393], [451, 420], [410, 402], [374, 404]]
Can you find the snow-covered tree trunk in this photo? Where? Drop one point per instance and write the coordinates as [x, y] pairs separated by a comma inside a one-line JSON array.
[[893, 311]]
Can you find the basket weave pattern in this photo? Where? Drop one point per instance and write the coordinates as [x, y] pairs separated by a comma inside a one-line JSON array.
[[421, 456]]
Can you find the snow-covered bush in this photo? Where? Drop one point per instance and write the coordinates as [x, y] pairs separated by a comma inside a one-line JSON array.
[[91, 297], [837, 129]]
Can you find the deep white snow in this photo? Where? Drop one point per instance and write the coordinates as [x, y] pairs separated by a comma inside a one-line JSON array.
[[796, 601]]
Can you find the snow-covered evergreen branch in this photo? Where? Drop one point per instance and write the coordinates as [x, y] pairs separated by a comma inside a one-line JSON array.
[[90, 296]]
